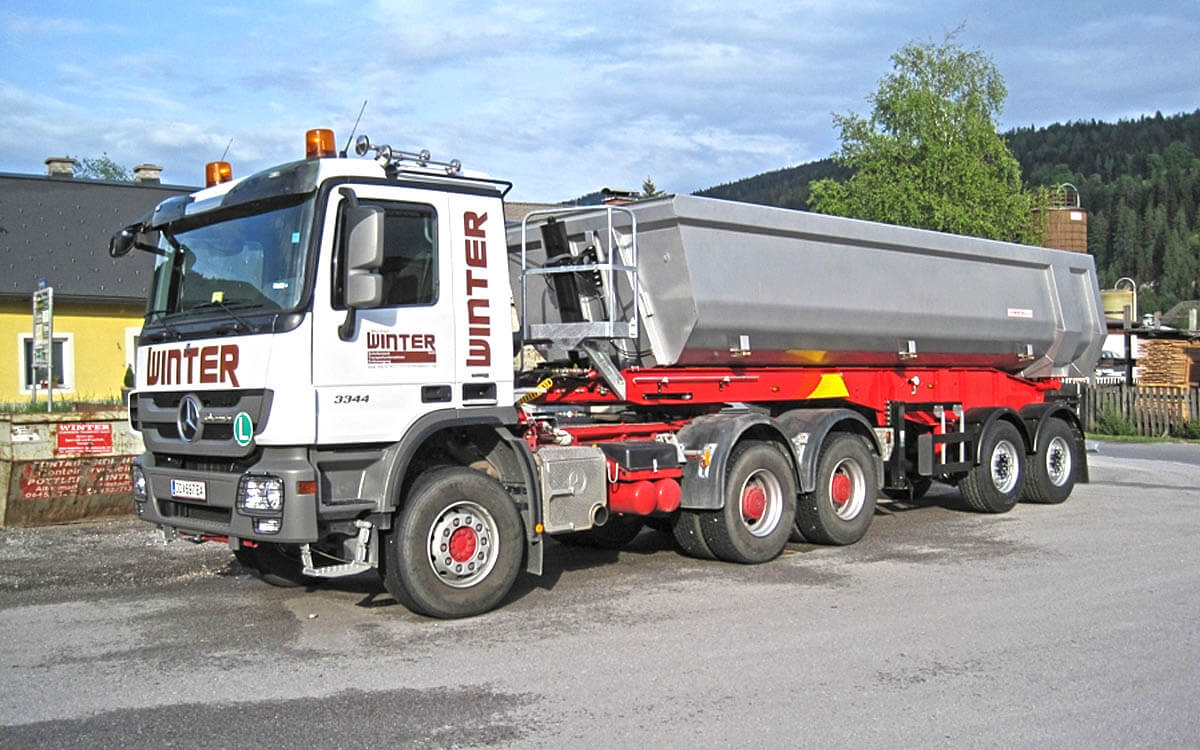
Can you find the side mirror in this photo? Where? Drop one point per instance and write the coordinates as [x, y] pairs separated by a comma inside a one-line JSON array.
[[122, 242], [362, 255], [363, 243]]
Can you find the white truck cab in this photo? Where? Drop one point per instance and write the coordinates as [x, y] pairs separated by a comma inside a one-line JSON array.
[[311, 329]]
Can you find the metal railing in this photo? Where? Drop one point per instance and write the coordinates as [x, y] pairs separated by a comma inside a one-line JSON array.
[[613, 258]]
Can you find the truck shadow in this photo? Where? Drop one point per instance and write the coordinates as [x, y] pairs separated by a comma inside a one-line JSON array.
[[939, 496], [561, 558]]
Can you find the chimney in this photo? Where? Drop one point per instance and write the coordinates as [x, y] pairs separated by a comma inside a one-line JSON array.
[[60, 166], [147, 173]]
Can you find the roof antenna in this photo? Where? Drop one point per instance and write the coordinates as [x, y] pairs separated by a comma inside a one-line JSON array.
[[354, 129], [226, 151]]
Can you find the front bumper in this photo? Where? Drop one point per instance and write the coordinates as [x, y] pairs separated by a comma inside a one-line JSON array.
[[218, 514]]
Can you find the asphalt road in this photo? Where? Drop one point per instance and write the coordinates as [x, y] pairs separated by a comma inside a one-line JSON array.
[[1051, 626], [1188, 453]]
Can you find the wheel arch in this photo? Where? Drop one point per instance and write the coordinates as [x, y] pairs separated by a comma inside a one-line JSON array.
[[807, 430], [980, 420], [713, 437], [487, 432]]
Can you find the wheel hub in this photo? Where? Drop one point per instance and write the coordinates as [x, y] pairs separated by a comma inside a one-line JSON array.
[[847, 489], [1058, 462], [754, 503], [1005, 473], [463, 545], [463, 542], [841, 489]]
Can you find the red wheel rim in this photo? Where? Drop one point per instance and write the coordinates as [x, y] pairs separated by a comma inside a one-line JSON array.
[[841, 489], [754, 503]]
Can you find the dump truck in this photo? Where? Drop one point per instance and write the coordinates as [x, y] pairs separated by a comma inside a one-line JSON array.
[[355, 364]]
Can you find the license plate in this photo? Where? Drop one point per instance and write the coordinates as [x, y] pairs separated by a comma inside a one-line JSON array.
[[188, 489]]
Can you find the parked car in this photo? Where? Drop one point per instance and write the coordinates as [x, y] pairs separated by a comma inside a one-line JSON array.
[[1111, 365]]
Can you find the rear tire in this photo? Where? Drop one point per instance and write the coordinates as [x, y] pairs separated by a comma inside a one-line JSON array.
[[996, 483], [456, 547], [840, 508], [276, 564], [760, 506], [1050, 472], [688, 534]]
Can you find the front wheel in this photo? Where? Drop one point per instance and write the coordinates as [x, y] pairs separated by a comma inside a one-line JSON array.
[[457, 545], [1050, 472], [994, 485]]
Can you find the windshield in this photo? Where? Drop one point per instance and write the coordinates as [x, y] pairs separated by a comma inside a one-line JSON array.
[[242, 263]]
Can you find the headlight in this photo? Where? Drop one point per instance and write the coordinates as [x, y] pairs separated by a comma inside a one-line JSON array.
[[139, 484], [258, 494]]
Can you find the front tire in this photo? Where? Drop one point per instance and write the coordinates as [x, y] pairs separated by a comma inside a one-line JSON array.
[[760, 506], [1051, 471], [839, 510], [996, 483], [457, 545]]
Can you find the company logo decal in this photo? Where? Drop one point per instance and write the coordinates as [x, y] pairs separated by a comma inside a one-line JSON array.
[[400, 348], [190, 365], [479, 318]]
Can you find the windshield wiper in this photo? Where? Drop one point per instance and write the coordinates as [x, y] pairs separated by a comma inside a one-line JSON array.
[[162, 318], [228, 307]]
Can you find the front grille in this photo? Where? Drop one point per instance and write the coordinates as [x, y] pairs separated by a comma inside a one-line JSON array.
[[172, 509], [209, 464], [156, 416]]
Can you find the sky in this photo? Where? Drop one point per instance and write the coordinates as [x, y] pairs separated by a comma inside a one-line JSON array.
[[559, 98]]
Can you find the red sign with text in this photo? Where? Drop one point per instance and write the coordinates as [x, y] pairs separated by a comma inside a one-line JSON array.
[[85, 437]]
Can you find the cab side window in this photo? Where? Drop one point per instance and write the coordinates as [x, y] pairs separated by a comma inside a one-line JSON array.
[[409, 256], [410, 263]]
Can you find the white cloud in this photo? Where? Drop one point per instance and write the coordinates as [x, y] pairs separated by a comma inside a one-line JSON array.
[[561, 98]]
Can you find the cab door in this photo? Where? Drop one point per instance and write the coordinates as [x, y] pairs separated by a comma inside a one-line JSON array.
[[399, 361]]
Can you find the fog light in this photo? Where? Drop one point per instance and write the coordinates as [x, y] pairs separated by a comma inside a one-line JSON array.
[[260, 495], [139, 484], [267, 525]]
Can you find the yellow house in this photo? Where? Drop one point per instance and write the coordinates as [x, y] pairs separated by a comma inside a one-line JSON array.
[[55, 227]]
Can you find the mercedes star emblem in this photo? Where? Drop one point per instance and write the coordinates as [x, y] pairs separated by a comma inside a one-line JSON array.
[[189, 418]]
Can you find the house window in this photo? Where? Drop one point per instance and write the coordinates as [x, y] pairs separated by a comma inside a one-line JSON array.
[[63, 365]]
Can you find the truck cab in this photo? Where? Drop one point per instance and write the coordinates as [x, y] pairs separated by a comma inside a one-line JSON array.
[[308, 329]]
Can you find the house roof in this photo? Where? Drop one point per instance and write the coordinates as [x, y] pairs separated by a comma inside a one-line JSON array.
[[59, 228]]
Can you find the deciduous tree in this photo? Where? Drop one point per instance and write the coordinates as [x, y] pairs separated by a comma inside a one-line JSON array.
[[929, 155]]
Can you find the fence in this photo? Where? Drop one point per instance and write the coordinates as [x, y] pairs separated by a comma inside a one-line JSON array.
[[1153, 411]]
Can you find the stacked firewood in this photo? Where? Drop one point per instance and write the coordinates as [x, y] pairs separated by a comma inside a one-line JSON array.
[[1164, 362]]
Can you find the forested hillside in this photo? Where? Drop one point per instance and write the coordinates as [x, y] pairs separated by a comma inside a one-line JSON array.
[[1138, 180]]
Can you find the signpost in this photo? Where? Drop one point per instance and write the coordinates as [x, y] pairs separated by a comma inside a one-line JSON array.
[[43, 340]]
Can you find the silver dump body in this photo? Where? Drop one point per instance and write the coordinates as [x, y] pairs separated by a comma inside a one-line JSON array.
[[697, 281]]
